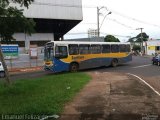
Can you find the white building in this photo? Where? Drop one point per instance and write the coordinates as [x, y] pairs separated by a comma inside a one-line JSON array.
[[92, 33], [152, 47], [53, 18]]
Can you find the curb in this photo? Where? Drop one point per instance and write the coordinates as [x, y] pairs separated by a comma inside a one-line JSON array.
[[23, 70]]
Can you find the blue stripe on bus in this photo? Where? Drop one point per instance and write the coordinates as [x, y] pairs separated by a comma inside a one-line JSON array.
[[60, 66]]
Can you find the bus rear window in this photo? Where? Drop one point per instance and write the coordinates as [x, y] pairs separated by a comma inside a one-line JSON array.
[[122, 48], [128, 48]]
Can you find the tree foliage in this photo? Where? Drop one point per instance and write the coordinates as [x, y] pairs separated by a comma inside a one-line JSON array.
[[111, 38], [136, 48], [138, 38], [25, 3], [131, 39], [12, 20], [144, 37]]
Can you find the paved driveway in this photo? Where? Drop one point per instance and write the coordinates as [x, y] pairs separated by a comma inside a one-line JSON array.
[[113, 96]]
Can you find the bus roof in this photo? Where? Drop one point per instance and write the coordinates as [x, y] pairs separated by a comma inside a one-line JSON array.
[[83, 42]]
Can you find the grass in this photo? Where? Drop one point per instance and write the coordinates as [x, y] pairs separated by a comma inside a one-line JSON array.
[[46, 95]]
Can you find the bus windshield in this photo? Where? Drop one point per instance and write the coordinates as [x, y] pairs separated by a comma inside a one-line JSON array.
[[48, 52]]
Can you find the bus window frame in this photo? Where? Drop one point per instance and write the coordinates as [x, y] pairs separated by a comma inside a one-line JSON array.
[[115, 49], [128, 48], [48, 55], [109, 48], [89, 52], [97, 52], [121, 49], [61, 55], [69, 45]]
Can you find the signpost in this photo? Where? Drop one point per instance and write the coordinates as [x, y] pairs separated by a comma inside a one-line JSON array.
[[10, 51], [33, 51]]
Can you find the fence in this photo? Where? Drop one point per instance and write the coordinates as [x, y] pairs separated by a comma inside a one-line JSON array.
[[24, 61]]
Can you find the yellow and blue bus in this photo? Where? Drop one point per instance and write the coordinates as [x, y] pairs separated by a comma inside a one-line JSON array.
[[73, 56]]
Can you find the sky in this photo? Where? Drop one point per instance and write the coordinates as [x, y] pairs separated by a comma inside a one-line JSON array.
[[126, 17]]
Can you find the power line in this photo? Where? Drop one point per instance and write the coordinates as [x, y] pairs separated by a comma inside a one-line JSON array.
[[134, 19], [80, 33], [127, 26], [115, 35]]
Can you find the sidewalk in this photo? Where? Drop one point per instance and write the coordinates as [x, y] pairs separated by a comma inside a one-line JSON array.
[[112, 96], [24, 70]]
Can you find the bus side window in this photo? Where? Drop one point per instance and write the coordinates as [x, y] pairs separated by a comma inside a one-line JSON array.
[[84, 49], [122, 48], [114, 48], [61, 52], [128, 48], [95, 49], [73, 49], [106, 48]]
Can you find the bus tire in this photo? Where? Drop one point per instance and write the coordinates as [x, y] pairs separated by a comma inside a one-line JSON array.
[[114, 62], [74, 67]]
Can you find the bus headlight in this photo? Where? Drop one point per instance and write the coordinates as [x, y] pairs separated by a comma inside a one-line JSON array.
[[48, 63]]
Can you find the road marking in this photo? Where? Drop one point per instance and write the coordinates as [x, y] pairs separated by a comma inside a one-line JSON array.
[[142, 66], [145, 83]]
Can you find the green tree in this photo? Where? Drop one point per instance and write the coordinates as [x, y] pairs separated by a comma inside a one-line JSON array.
[[12, 20], [111, 38], [144, 37], [131, 39], [136, 47], [138, 38]]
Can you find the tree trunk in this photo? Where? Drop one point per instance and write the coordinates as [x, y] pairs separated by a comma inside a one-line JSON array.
[[4, 66]]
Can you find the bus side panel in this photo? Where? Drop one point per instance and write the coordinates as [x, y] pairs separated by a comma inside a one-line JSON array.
[[90, 63], [106, 61], [125, 59], [60, 66], [95, 62], [98, 62]]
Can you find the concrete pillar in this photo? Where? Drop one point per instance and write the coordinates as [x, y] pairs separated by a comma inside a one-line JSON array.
[[27, 44]]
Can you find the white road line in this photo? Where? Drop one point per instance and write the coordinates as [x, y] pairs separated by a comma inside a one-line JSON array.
[[142, 66], [145, 83]]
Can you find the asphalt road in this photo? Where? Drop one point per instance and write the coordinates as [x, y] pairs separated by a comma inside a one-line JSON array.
[[140, 66]]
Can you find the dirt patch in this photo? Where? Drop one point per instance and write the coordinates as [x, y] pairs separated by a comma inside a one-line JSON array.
[[112, 96]]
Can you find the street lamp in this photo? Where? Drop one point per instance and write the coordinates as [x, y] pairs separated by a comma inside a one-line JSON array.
[[141, 43], [98, 13]]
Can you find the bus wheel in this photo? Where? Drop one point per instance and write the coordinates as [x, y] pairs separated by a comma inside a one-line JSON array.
[[74, 67], [114, 63]]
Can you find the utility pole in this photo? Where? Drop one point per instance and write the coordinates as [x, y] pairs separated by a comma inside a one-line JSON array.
[[98, 21], [98, 13], [141, 44]]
